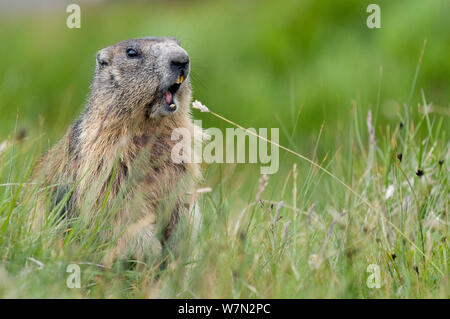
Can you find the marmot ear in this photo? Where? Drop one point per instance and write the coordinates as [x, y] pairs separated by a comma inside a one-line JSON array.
[[103, 58]]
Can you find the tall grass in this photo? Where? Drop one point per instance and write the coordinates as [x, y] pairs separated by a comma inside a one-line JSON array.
[[298, 233], [262, 238]]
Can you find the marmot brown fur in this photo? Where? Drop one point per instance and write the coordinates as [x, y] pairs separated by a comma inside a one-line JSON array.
[[120, 147]]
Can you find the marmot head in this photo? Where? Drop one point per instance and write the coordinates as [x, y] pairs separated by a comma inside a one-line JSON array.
[[148, 76]]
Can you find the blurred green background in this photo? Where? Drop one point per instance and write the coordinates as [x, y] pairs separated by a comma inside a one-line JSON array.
[[256, 62]]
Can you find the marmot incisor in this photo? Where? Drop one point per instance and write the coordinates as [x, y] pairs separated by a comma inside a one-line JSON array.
[[121, 146]]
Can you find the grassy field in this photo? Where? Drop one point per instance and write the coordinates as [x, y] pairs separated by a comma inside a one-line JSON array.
[[369, 106]]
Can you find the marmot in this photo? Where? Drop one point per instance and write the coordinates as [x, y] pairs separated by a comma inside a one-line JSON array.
[[119, 148]]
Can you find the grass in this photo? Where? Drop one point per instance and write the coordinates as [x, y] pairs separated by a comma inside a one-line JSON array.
[[299, 233]]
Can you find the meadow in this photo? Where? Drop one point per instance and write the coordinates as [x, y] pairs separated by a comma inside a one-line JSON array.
[[370, 107]]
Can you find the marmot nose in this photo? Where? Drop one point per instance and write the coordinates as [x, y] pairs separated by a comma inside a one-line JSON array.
[[180, 63]]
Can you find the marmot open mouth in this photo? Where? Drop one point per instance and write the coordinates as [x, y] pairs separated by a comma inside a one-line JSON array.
[[169, 97]]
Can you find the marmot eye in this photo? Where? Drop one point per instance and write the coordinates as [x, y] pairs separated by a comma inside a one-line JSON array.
[[132, 53]]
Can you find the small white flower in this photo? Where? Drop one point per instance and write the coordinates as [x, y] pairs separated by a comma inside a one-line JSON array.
[[389, 192], [4, 146], [199, 106], [314, 261], [435, 222], [37, 262], [204, 190]]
